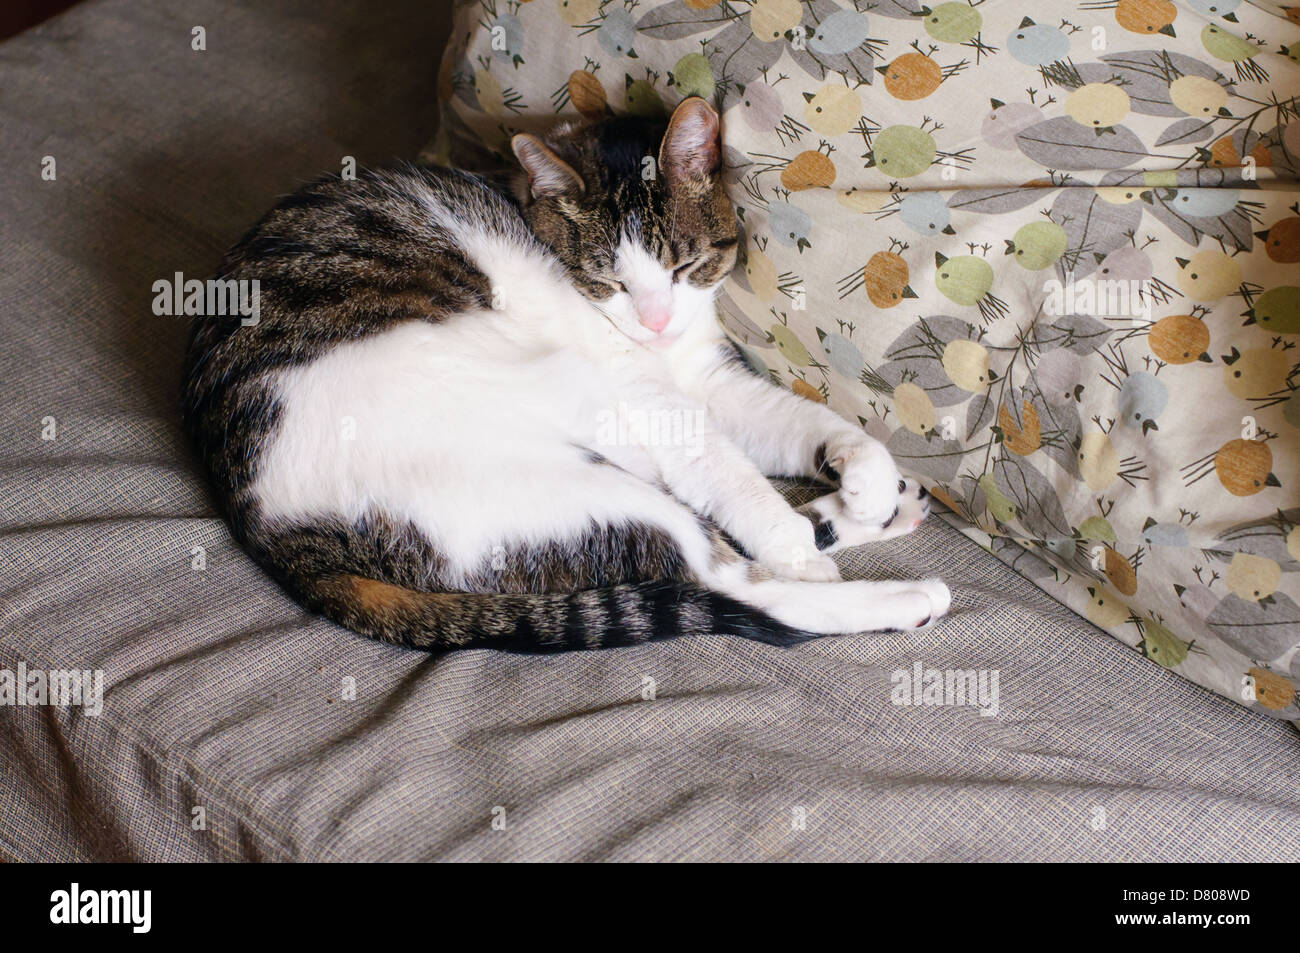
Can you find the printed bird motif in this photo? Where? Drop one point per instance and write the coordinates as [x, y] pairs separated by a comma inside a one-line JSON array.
[[759, 106], [1142, 398], [488, 94], [966, 363], [1226, 46], [1097, 529], [1208, 275], [578, 12], [840, 32], [901, 152], [1099, 106], [1273, 691], [1038, 245], [1147, 16], [693, 76], [996, 502], [832, 110], [1037, 44], [616, 33], [863, 201], [585, 92], [772, 20], [1132, 264], [640, 98], [790, 346], [810, 169], [1164, 534], [1162, 646], [1198, 601], [1120, 573], [1005, 121], [885, 279], [1216, 8], [1180, 339], [914, 408], [1282, 239], [1098, 460], [1244, 467], [1253, 578], [1226, 152], [807, 391], [511, 31], [1058, 377], [1021, 437], [1276, 310], [1197, 203], [952, 22], [926, 213], [911, 76], [1199, 96], [760, 275], [1104, 609], [1256, 373], [967, 280], [1263, 628], [790, 225], [842, 354]]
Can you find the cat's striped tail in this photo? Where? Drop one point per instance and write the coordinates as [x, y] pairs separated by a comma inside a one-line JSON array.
[[626, 614]]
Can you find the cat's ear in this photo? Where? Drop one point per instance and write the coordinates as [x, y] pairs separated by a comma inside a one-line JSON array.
[[548, 174], [692, 146]]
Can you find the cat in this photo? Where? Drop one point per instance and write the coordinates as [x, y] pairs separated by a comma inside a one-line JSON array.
[[428, 434]]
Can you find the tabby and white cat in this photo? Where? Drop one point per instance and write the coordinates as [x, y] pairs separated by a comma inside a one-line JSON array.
[[415, 438]]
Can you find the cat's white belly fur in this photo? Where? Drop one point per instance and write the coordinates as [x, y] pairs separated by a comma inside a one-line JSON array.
[[472, 434]]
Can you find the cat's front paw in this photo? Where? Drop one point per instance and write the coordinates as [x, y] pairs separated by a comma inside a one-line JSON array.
[[870, 486], [913, 508]]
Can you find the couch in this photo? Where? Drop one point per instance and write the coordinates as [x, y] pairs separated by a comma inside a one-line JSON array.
[[237, 727]]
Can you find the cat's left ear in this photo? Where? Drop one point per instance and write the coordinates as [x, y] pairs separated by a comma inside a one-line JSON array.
[[692, 146], [548, 174]]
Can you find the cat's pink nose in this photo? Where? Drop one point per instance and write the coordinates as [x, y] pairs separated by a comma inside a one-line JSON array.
[[654, 311], [656, 320]]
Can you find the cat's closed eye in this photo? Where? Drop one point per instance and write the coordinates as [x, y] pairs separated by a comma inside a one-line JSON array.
[[682, 270]]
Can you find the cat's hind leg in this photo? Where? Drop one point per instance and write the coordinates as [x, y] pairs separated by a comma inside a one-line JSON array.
[[811, 608]]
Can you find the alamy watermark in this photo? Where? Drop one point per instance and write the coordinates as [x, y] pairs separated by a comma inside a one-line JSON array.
[[215, 297], [933, 687], [1104, 298], [628, 426], [61, 688], [133, 908]]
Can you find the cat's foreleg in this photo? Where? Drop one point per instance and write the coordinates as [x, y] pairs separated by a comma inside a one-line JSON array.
[[788, 435], [705, 470], [715, 478]]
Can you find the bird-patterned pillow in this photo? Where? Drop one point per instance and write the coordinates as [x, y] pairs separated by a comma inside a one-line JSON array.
[[1050, 261]]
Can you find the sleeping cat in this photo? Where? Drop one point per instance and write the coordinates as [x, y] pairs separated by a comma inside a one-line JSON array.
[[430, 435]]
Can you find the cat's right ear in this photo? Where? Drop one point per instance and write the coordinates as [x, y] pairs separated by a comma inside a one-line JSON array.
[[548, 174], [692, 147]]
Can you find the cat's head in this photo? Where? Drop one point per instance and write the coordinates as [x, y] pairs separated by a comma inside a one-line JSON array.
[[638, 215]]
